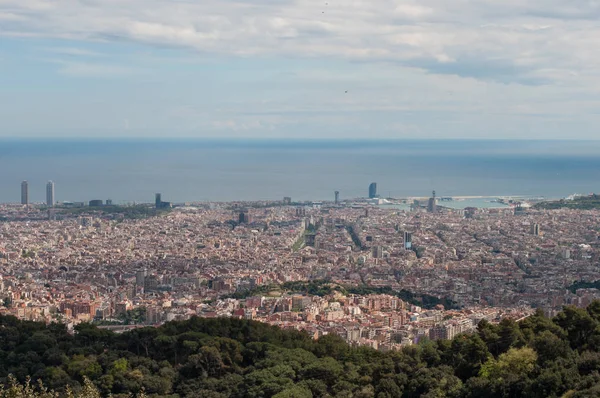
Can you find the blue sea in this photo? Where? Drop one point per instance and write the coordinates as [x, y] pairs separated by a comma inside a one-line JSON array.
[[226, 170]]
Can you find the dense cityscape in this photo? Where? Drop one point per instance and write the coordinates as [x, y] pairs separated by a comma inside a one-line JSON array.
[[370, 272], [299, 199]]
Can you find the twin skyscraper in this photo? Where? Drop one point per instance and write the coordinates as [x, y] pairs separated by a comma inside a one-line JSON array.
[[49, 193]]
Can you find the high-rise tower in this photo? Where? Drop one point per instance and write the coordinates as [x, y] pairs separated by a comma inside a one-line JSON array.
[[535, 229], [373, 190], [407, 240], [24, 193], [432, 205], [243, 217], [337, 197], [140, 277], [50, 194]]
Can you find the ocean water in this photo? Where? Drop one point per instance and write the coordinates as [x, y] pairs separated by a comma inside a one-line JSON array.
[[195, 170]]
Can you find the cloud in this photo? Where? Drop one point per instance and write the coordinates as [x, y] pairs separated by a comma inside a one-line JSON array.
[[508, 41], [499, 70], [7, 16]]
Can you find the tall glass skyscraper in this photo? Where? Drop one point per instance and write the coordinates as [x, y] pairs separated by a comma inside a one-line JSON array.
[[373, 190], [50, 194], [24, 193]]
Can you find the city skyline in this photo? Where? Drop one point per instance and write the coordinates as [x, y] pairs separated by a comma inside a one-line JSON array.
[[382, 279], [158, 203], [51, 201], [174, 255]]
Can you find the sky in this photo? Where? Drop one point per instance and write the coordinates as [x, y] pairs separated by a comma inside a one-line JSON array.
[[271, 69]]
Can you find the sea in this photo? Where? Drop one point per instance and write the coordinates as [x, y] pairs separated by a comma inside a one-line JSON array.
[[132, 171]]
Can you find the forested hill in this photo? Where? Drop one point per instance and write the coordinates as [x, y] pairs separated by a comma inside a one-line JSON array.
[[214, 358], [580, 203]]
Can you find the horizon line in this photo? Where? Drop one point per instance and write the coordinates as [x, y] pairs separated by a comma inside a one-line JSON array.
[[288, 139]]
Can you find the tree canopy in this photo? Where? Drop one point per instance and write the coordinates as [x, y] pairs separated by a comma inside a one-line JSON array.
[[224, 357]]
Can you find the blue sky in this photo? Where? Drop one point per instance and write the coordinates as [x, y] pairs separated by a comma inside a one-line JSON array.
[[281, 68]]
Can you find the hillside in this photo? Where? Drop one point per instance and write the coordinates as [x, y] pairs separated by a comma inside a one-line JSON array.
[[580, 203], [217, 358], [324, 287]]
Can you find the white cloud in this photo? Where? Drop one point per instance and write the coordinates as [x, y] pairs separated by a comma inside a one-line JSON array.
[[502, 40], [7, 16]]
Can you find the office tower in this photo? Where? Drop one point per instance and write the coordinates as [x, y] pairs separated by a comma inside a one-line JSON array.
[[24, 193], [377, 252], [310, 239], [109, 202], [407, 240], [432, 205], [151, 282], [50, 194], [52, 214], [329, 224], [159, 204], [287, 200], [337, 197], [373, 190], [470, 212], [244, 218], [535, 229], [519, 209], [140, 277]]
